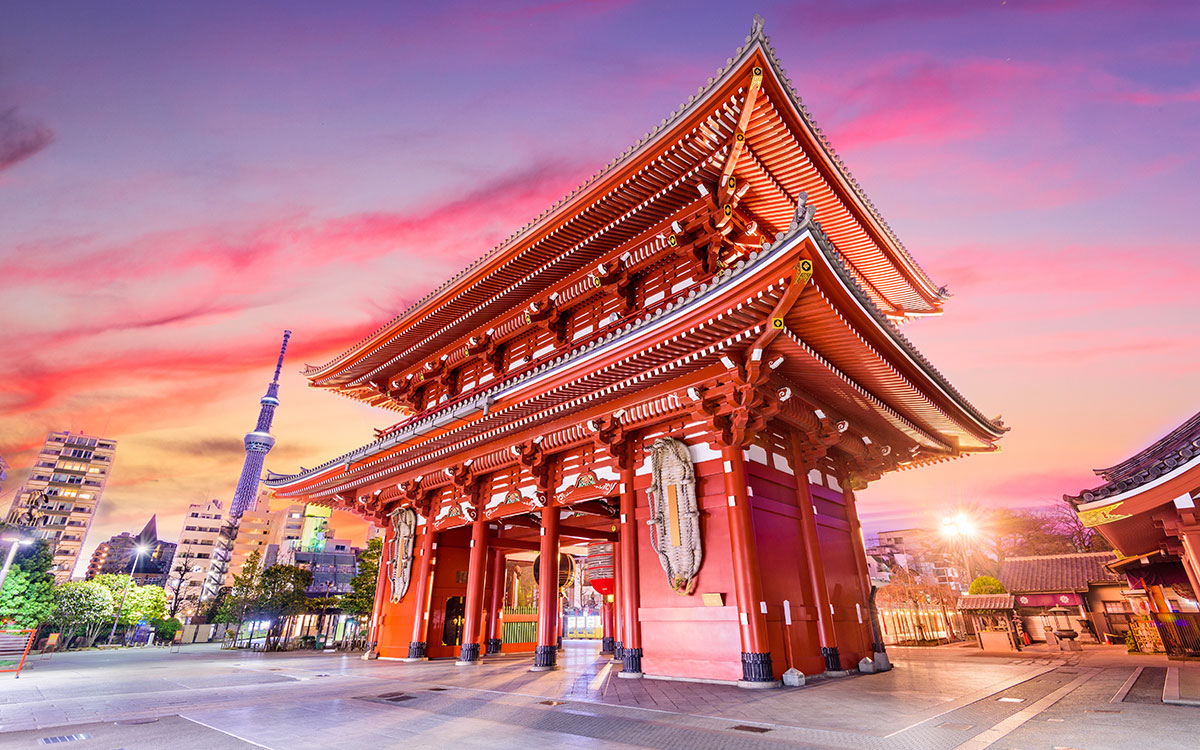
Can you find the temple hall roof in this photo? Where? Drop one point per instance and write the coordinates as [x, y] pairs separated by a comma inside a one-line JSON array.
[[1173, 451], [1054, 573]]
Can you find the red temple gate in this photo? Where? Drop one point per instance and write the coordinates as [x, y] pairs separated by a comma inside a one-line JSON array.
[[677, 360]]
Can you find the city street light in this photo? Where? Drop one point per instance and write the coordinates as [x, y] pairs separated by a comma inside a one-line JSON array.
[[12, 552], [960, 529], [139, 550]]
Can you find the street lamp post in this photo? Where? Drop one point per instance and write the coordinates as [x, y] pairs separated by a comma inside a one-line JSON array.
[[12, 552], [137, 553]]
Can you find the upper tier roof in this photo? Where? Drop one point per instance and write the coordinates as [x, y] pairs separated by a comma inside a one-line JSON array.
[[786, 154]]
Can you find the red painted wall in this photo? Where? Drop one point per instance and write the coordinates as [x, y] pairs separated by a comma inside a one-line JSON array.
[[680, 636], [779, 535]]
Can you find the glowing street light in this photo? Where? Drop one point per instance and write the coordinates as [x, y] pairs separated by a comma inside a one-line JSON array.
[[12, 552], [960, 529], [139, 550]]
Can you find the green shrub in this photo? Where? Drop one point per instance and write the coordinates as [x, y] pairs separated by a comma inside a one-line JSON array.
[[986, 585], [165, 630]]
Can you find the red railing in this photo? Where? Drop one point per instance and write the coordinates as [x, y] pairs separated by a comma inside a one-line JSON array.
[[14, 647]]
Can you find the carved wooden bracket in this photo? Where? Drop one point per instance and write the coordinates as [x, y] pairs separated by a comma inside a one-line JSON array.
[[612, 438], [532, 457], [614, 277], [417, 496]]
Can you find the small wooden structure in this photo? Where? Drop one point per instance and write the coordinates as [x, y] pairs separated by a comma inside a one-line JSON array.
[[994, 618]]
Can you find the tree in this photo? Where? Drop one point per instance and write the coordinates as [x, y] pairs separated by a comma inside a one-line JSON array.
[[83, 605], [242, 596], [36, 559], [25, 602], [138, 603], [361, 599], [282, 591], [177, 580], [144, 603], [1052, 530], [27, 599], [986, 585], [165, 630]]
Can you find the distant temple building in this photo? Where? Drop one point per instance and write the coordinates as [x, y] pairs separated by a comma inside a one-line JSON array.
[[687, 367], [117, 556], [59, 500], [258, 442], [1146, 509]]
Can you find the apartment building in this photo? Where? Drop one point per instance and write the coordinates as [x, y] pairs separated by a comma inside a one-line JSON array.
[[201, 528], [266, 531], [143, 555], [60, 498]]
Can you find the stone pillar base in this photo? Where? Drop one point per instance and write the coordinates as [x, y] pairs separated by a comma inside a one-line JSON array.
[[468, 655], [632, 659], [545, 658], [833, 660], [493, 645], [756, 668]]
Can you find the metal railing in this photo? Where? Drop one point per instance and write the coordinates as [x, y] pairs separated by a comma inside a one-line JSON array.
[[1180, 633]]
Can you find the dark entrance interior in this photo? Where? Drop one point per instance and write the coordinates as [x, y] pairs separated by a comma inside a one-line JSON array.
[[452, 629]]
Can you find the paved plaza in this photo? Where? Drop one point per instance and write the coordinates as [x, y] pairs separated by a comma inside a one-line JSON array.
[[945, 698]]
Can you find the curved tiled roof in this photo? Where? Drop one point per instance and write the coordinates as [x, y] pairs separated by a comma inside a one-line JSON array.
[[980, 602], [757, 39], [624, 329], [1054, 573], [1175, 449]]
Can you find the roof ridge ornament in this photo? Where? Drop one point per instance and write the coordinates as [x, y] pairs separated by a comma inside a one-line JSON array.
[[756, 29]]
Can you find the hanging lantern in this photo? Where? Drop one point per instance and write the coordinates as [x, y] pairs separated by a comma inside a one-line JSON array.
[[566, 570], [600, 568]]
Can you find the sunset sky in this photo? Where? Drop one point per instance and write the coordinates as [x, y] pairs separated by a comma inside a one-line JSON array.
[[178, 184]]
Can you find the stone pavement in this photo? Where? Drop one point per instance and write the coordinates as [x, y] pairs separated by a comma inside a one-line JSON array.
[[947, 698]]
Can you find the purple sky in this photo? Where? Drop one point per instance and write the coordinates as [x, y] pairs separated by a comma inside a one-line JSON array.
[[177, 185]]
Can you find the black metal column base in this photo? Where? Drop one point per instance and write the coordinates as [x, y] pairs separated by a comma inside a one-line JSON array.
[[833, 660], [757, 667], [606, 645], [493, 645], [416, 650], [632, 658], [469, 653], [558, 645], [619, 652], [545, 658]]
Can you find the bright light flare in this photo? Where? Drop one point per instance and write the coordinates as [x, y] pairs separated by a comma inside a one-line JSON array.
[[960, 525]]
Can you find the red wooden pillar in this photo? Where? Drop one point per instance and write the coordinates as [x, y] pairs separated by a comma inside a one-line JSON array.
[[826, 634], [422, 589], [381, 586], [562, 619], [545, 655], [473, 608], [631, 650], [606, 622], [863, 612], [495, 629], [618, 611], [757, 670]]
